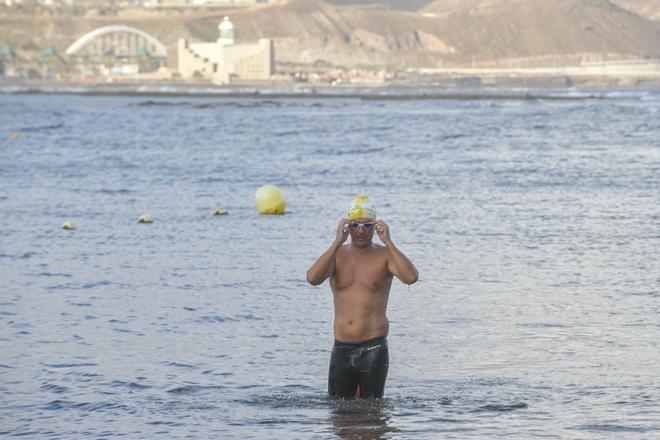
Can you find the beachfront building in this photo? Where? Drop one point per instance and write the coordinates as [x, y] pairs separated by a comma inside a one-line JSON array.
[[7, 61], [224, 61]]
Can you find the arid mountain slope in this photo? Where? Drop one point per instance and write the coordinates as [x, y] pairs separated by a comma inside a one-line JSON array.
[[646, 8], [526, 28], [404, 5], [309, 30], [474, 31], [444, 32]]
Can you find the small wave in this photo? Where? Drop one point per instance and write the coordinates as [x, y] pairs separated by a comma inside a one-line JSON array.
[[443, 420], [501, 407], [651, 293], [213, 373], [256, 103], [178, 365], [48, 274], [213, 319], [446, 137], [64, 286], [114, 192], [165, 423], [131, 385], [543, 325], [287, 133], [56, 405], [249, 102], [250, 318], [123, 330], [220, 319], [191, 389], [215, 179], [351, 151], [607, 427], [97, 284], [40, 128], [152, 103], [71, 365], [73, 286], [58, 389], [294, 396]]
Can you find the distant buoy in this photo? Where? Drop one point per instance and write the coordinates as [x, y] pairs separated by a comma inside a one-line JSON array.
[[68, 226], [220, 211], [270, 200], [145, 219], [15, 136]]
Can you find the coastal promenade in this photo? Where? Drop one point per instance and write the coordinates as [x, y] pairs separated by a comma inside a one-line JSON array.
[[634, 68]]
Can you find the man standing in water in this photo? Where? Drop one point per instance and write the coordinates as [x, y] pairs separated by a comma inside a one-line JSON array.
[[360, 277]]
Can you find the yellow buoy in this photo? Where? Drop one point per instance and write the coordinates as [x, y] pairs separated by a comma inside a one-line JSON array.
[[220, 211], [145, 219], [15, 136], [68, 226], [270, 200]]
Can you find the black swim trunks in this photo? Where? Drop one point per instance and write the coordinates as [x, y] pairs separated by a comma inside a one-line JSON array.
[[358, 369]]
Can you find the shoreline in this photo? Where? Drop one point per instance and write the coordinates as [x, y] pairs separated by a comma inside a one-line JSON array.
[[399, 92]]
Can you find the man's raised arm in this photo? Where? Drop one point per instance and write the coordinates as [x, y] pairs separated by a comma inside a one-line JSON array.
[[324, 267], [398, 264]]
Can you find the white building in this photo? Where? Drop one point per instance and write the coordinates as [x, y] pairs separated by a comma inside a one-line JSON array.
[[224, 60]]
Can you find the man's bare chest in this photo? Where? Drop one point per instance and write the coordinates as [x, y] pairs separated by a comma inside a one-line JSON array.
[[370, 275]]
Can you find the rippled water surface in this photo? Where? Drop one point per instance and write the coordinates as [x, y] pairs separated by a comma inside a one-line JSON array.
[[535, 225]]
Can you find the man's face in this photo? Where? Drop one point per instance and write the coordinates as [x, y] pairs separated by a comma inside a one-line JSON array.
[[362, 231]]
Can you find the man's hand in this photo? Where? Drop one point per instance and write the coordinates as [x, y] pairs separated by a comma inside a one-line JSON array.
[[383, 231], [342, 230]]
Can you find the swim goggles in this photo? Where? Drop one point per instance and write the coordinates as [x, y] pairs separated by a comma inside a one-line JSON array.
[[367, 225]]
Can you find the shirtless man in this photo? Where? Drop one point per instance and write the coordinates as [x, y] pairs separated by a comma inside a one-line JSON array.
[[360, 277]]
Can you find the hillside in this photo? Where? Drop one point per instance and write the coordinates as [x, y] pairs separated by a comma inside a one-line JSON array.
[[473, 32], [646, 8], [403, 5], [442, 33], [309, 30], [500, 29]]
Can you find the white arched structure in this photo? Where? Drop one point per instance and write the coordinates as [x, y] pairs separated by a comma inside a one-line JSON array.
[[124, 39]]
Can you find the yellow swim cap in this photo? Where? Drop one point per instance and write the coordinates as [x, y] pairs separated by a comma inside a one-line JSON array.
[[361, 208]]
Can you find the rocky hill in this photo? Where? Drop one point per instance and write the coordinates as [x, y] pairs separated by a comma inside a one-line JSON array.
[[501, 29], [404, 5], [441, 33], [450, 32], [646, 8]]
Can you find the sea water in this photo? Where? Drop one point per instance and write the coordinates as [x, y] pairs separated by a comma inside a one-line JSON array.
[[534, 223]]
